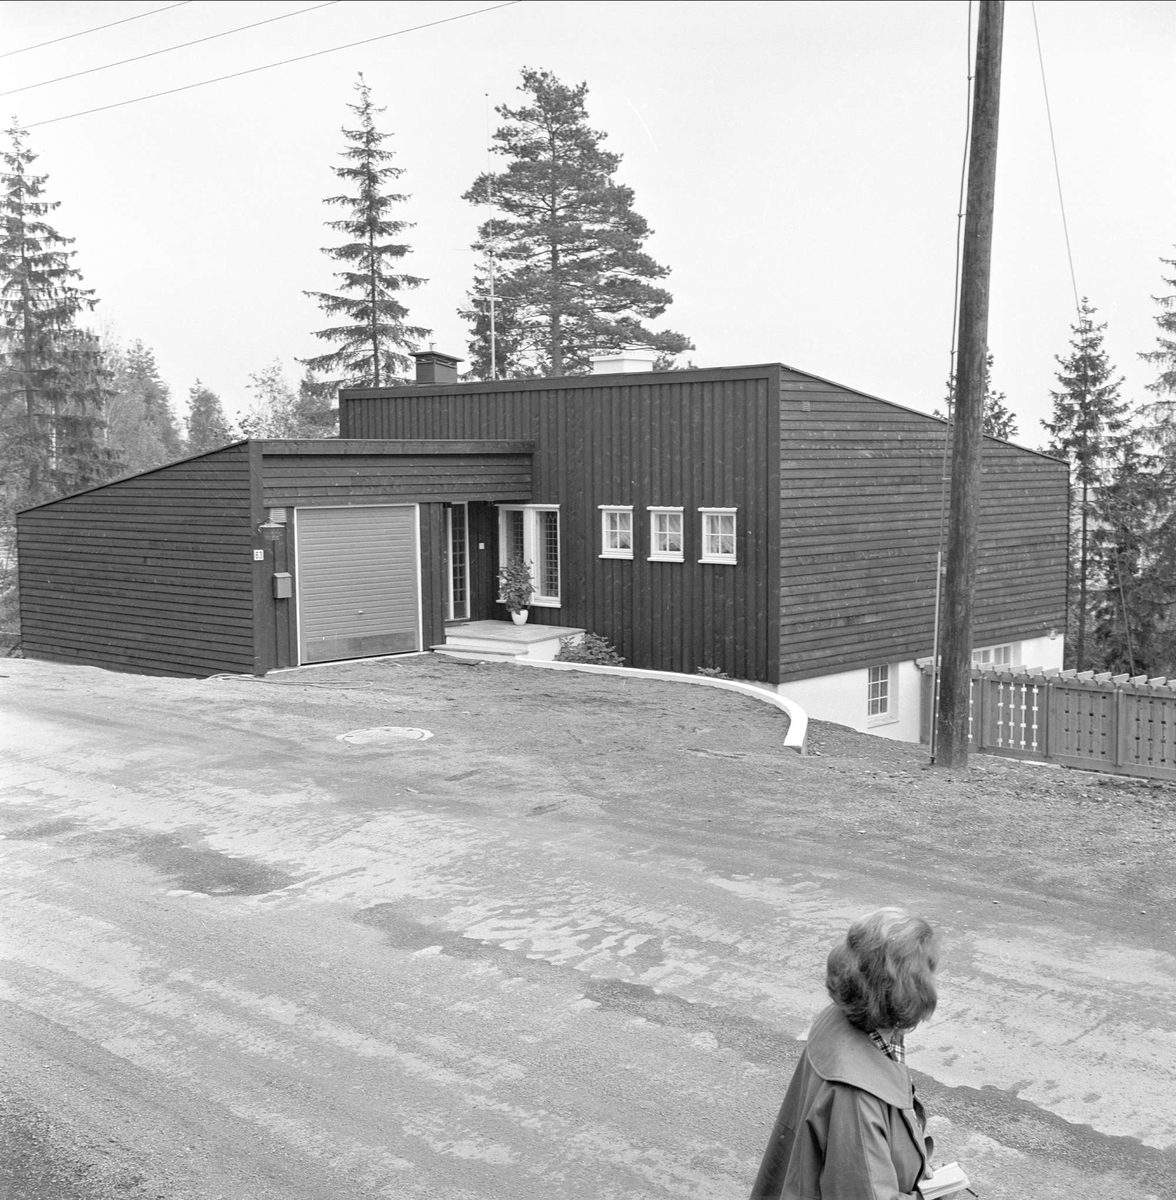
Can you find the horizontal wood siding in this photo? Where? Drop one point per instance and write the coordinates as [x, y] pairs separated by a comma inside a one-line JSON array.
[[152, 574], [860, 489], [703, 439], [305, 480]]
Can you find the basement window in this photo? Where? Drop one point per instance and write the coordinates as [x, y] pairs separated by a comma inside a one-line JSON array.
[[995, 655], [665, 534], [531, 532], [616, 531], [879, 706]]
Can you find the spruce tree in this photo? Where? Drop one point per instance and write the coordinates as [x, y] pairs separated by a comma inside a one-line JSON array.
[[566, 236], [208, 427], [1088, 427], [372, 340], [1132, 595], [1159, 432], [999, 419], [54, 384], [1164, 355], [141, 426]]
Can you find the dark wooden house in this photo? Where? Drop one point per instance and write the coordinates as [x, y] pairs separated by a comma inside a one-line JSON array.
[[755, 520]]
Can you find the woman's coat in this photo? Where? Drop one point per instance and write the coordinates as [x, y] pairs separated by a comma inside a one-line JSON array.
[[850, 1127]]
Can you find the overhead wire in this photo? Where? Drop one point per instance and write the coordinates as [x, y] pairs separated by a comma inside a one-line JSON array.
[[269, 66], [82, 32], [122, 62], [1054, 149]]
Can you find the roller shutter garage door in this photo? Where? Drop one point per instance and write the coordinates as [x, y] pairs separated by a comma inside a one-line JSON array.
[[357, 582]]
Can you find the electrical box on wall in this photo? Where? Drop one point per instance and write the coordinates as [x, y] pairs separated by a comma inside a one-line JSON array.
[[283, 585]]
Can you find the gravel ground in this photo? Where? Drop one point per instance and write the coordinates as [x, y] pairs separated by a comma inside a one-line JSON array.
[[669, 768]]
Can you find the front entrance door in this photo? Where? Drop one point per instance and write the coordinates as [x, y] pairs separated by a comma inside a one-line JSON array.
[[358, 582]]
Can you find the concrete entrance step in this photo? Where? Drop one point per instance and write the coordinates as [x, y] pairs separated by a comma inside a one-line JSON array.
[[503, 641]]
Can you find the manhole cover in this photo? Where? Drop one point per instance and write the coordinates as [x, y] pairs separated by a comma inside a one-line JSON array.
[[384, 733]]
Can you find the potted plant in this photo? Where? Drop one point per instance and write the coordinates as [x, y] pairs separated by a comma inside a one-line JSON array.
[[515, 589]]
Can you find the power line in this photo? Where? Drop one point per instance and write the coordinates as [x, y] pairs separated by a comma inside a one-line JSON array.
[[182, 45], [83, 32], [1053, 147], [268, 66]]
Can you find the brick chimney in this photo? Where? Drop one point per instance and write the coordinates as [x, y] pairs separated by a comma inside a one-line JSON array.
[[433, 367]]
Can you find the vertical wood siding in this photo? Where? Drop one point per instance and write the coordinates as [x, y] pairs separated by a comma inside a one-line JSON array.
[[860, 516], [703, 439], [152, 574], [304, 476]]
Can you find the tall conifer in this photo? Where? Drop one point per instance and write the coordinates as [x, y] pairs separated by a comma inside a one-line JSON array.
[[54, 385], [208, 427], [567, 239], [372, 340], [141, 427], [1088, 427], [1159, 432]]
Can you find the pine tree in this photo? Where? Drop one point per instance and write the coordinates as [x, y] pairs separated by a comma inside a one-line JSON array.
[[372, 343], [567, 239], [208, 427], [54, 384], [1088, 427], [141, 427]]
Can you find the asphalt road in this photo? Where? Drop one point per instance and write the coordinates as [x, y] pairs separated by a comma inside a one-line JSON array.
[[565, 946]]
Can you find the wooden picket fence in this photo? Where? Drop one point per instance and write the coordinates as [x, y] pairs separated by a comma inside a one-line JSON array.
[[1122, 724]]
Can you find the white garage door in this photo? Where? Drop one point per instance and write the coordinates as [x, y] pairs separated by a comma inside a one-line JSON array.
[[357, 582]]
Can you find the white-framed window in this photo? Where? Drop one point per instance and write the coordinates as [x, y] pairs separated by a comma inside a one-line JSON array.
[[531, 532], [718, 535], [879, 706], [665, 534], [616, 531], [993, 654]]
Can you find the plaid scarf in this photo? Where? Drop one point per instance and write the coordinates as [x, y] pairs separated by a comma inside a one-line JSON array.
[[893, 1049]]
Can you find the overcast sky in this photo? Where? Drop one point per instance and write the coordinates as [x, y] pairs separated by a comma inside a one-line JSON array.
[[798, 162]]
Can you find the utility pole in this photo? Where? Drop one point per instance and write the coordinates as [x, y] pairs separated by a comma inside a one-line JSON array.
[[951, 718]]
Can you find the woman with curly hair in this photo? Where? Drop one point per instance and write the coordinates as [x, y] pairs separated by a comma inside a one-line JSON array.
[[850, 1127]]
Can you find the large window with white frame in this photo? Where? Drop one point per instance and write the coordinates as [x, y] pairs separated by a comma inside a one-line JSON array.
[[718, 535], [665, 534], [616, 531], [531, 532]]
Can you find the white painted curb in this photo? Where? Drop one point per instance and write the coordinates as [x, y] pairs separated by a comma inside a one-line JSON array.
[[795, 739]]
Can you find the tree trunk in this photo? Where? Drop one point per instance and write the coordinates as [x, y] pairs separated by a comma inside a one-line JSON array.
[[1083, 566], [375, 327], [554, 322]]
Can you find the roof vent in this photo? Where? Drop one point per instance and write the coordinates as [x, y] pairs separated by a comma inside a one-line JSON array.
[[433, 367], [631, 358]]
